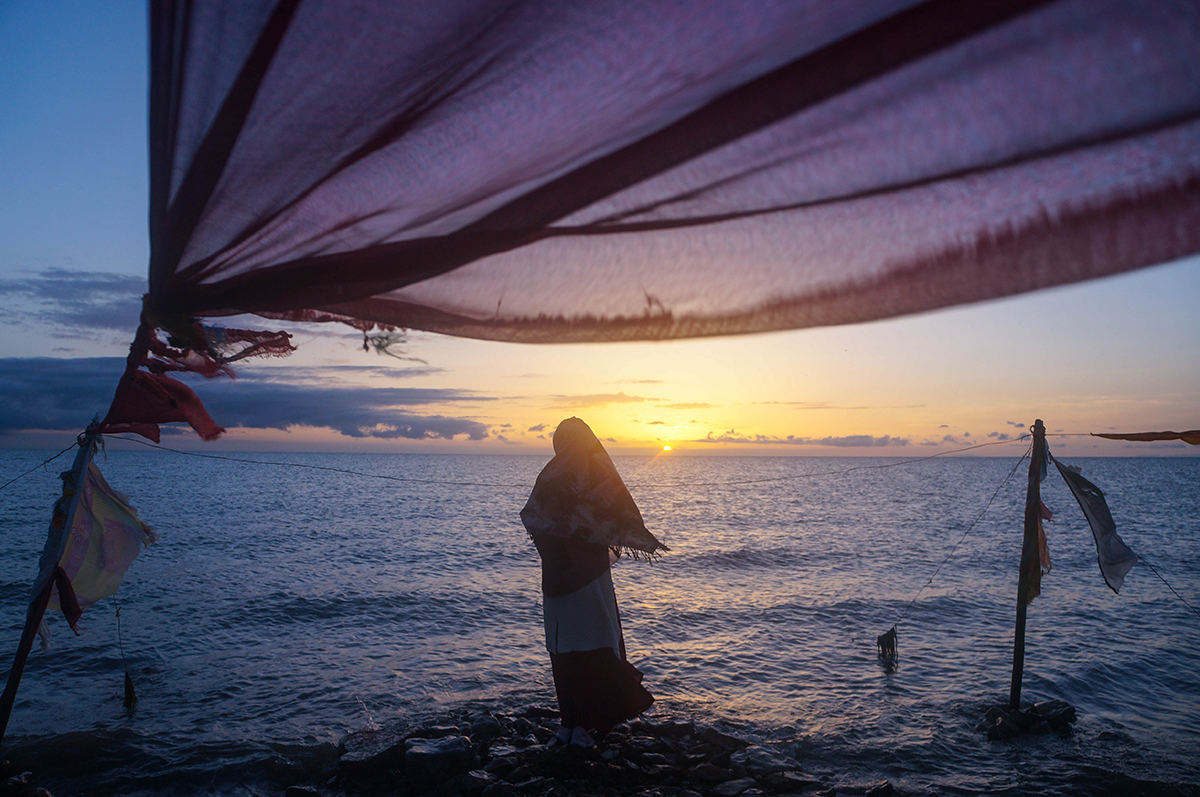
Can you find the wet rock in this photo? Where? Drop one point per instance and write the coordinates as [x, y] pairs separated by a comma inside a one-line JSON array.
[[302, 791], [501, 766], [648, 744], [502, 750], [522, 726], [535, 785], [1005, 727], [709, 773], [485, 727], [431, 761], [652, 759], [661, 771], [721, 740], [474, 783], [1055, 712], [759, 761], [792, 782], [884, 789], [732, 788], [371, 753], [436, 732], [499, 789], [673, 729]]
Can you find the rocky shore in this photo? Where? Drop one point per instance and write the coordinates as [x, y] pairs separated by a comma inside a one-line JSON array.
[[500, 755], [516, 755]]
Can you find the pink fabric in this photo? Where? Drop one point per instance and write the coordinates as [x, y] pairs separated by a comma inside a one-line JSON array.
[[544, 171]]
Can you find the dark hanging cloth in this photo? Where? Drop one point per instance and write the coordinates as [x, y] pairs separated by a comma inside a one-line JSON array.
[[534, 170], [1191, 438], [546, 171], [1113, 555], [580, 496]]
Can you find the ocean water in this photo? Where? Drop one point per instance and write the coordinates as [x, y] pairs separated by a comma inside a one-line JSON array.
[[284, 607]]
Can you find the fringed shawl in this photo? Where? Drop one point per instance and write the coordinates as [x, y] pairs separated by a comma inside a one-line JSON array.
[[579, 495]]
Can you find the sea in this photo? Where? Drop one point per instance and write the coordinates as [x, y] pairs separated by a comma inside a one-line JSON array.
[[292, 599]]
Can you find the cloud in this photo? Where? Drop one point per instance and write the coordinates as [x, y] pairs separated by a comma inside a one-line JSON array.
[[46, 393], [693, 405], [999, 436], [847, 441], [541, 427], [597, 400], [49, 393], [645, 381], [656, 423], [825, 405], [1018, 425], [860, 440], [77, 300]]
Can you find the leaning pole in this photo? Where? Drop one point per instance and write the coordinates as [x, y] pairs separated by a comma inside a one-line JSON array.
[[49, 572], [1029, 557]]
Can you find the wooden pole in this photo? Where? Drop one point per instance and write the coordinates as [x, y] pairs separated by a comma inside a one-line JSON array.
[[60, 526], [1029, 557]]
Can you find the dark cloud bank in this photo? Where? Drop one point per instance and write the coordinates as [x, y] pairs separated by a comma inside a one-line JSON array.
[[52, 394], [78, 300], [848, 441]]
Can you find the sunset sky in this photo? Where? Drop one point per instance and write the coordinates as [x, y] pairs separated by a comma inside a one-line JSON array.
[[1120, 353]]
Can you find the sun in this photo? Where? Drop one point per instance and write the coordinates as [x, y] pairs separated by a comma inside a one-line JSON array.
[[666, 448]]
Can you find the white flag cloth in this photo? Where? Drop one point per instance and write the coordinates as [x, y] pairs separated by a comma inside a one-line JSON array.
[[1112, 553]]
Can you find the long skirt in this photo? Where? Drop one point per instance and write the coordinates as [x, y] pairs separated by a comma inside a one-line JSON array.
[[596, 686]]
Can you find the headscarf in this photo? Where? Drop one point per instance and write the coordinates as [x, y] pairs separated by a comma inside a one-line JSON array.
[[579, 495]]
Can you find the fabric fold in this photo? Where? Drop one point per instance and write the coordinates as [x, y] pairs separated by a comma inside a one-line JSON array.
[[580, 496], [1112, 554]]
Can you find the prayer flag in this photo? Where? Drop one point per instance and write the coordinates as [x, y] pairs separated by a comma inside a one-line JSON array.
[[1113, 555]]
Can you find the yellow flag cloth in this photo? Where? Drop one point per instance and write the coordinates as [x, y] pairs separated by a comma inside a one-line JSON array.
[[104, 539]]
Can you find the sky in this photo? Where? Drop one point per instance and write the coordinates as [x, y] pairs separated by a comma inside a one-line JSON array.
[[1118, 354]]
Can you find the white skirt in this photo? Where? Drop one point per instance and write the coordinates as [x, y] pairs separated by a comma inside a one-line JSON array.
[[585, 619]]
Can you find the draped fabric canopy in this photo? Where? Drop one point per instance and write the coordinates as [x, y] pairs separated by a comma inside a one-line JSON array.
[[535, 170]]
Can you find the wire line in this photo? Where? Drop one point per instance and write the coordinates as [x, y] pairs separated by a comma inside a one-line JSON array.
[[1177, 595], [523, 486], [979, 517], [35, 467]]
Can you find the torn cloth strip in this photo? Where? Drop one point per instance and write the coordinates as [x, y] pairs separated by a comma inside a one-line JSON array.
[[146, 398], [1113, 555], [1191, 438], [1041, 566]]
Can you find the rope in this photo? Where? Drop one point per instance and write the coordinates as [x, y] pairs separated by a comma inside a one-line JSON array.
[[1177, 595], [963, 537], [315, 467], [35, 467], [523, 486]]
